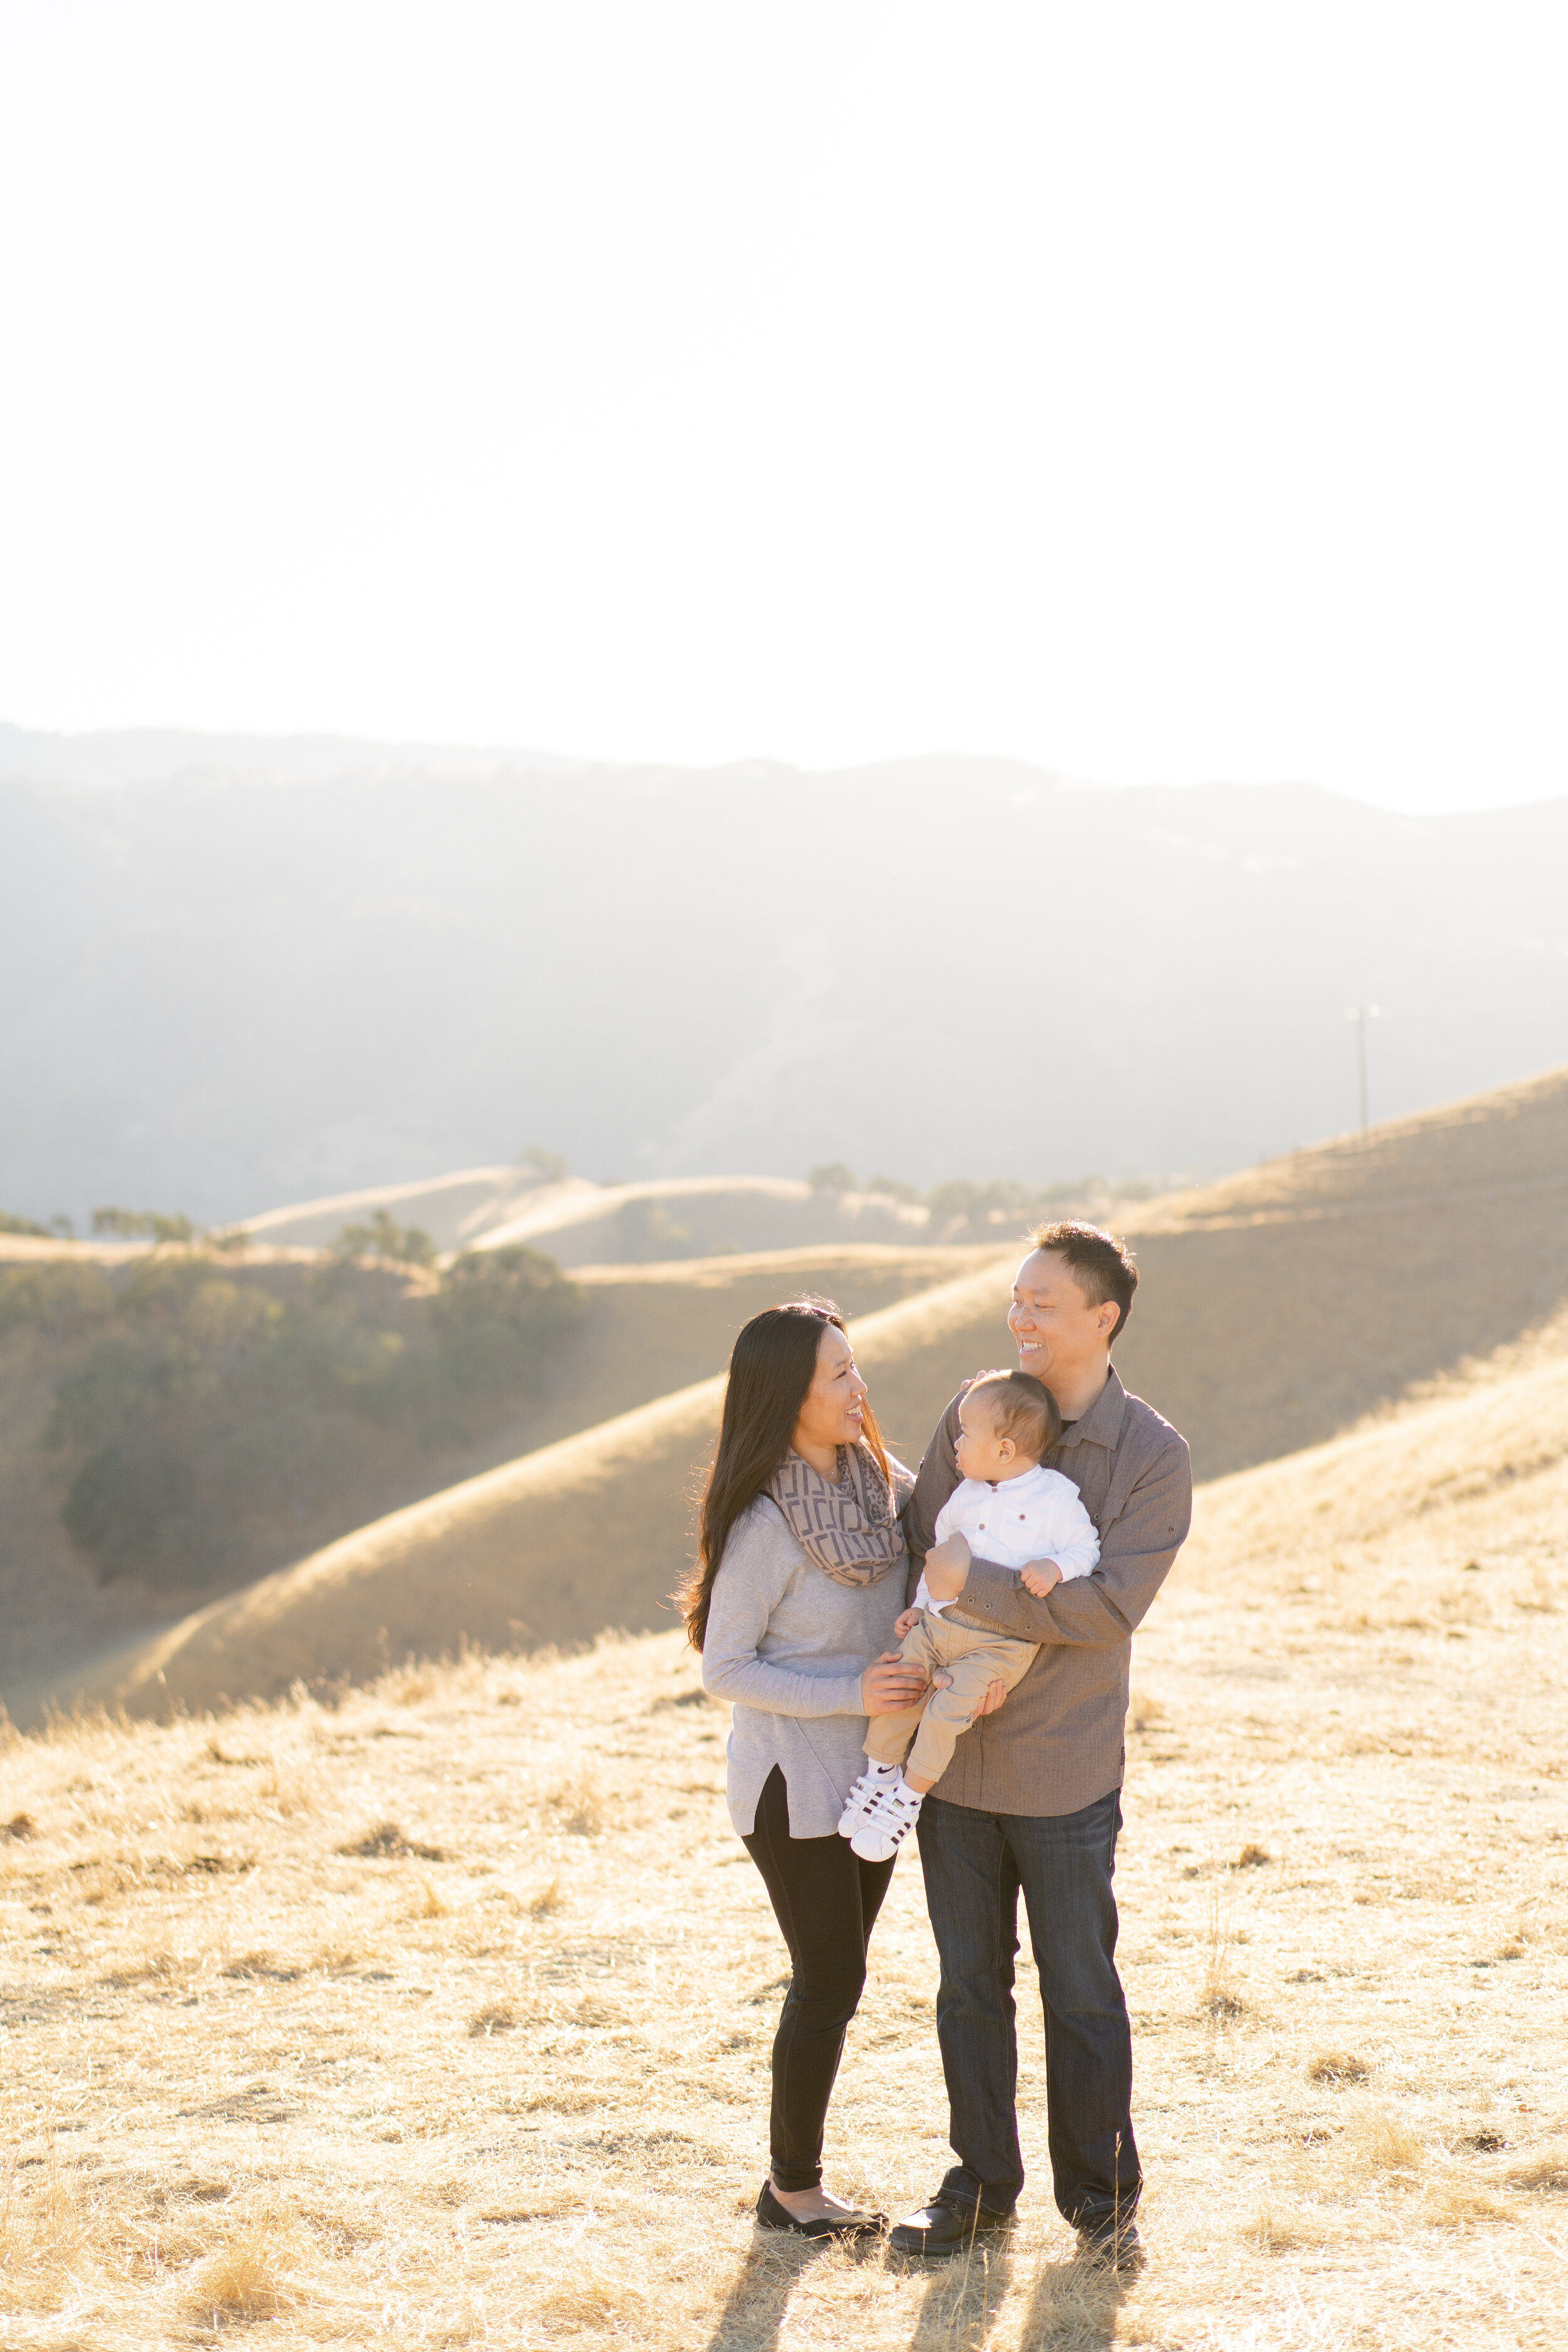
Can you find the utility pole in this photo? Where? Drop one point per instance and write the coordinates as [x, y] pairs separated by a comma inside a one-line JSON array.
[[1362, 1014]]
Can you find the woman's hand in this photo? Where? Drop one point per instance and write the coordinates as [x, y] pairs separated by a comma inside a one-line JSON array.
[[905, 1625], [889, 1685]]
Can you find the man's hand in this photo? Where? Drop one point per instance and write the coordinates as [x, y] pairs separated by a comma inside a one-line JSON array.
[[947, 1568], [1039, 1576], [889, 1685], [993, 1699], [905, 1625]]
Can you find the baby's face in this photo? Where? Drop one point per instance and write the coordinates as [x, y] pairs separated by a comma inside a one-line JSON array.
[[982, 1453]]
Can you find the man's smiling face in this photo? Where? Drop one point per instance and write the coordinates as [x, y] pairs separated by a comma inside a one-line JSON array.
[[1056, 1328]]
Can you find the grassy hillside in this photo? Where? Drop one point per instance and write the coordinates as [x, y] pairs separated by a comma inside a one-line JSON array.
[[580, 1223], [590, 1531], [641, 1332], [1274, 1309], [451, 1209], [442, 2015], [1283, 1304]]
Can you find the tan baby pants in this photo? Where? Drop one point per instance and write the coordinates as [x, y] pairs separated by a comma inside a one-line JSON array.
[[975, 1661]]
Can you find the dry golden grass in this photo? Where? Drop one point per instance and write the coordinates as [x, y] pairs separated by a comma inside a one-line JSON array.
[[269, 2066]]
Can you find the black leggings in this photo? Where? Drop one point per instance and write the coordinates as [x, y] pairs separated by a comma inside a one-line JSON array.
[[826, 1900]]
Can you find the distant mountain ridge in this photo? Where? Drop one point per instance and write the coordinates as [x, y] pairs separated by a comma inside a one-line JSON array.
[[218, 994], [112, 757]]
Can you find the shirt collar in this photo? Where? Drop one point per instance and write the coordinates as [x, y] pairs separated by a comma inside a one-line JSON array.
[[1101, 1424], [1026, 1481]]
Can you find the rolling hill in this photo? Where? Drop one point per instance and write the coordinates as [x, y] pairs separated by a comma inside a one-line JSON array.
[[578, 1222], [642, 1331], [1277, 1308]]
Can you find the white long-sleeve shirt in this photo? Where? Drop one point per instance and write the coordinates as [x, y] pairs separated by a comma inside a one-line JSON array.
[[1039, 1515]]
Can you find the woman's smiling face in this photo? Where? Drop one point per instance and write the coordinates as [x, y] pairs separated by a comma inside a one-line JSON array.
[[832, 1414]]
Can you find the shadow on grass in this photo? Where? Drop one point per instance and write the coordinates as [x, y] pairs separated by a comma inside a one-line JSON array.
[[963, 2300], [754, 2307], [1073, 2307]]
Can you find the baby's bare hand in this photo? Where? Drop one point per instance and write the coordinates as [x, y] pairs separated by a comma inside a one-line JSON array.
[[907, 1623], [1040, 1577]]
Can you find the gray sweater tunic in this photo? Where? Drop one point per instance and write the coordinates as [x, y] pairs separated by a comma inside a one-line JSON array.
[[787, 1645]]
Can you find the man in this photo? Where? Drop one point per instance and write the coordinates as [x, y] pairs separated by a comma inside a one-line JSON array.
[[1031, 1802]]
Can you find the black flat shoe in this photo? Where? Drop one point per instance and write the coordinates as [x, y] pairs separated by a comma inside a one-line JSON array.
[[943, 2228], [771, 2215]]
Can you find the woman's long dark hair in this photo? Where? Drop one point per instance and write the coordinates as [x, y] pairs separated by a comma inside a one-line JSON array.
[[772, 1367]]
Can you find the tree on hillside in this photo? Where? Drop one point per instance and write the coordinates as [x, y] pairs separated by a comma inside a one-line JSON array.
[[11, 1225], [384, 1239], [211, 1413], [541, 1167], [893, 1187], [144, 1224]]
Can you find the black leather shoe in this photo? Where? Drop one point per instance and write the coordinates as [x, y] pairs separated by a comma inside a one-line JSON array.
[[945, 2228], [771, 2215], [1121, 2251]]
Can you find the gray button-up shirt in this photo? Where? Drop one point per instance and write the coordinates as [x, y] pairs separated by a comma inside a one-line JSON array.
[[1056, 1742]]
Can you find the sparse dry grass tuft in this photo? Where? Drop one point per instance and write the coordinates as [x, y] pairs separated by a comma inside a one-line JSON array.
[[1337, 2066], [1220, 1995], [386, 1843], [579, 1803], [498, 2017], [1454, 2202], [245, 2280], [1548, 2170], [1388, 2143], [1281, 2229]]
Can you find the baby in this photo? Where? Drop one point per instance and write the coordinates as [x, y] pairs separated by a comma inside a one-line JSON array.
[[1009, 1509]]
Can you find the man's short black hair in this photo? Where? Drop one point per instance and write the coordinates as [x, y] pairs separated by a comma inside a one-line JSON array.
[[1102, 1267]]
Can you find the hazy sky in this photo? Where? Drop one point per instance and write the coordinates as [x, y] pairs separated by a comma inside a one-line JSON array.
[[1157, 390]]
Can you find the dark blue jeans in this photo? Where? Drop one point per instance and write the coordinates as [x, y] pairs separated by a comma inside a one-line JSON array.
[[975, 1866]]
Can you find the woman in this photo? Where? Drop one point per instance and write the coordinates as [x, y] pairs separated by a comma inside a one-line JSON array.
[[800, 1573]]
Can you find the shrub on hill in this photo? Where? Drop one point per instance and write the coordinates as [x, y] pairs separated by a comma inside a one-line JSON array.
[[381, 1237], [961, 1210], [210, 1413]]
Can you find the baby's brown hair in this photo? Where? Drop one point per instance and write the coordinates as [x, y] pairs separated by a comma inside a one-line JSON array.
[[1022, 1409]]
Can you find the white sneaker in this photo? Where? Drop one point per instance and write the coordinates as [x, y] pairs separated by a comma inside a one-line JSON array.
[[889, 1816], [872, 1780]]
